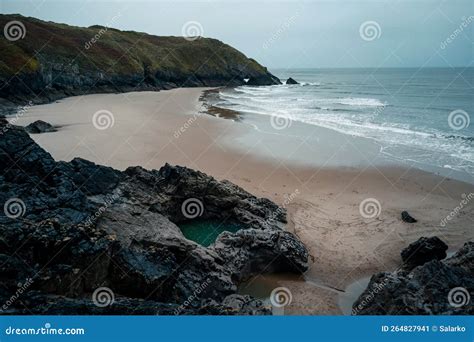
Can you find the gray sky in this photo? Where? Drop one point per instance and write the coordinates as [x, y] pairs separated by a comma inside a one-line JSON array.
[[408, 33]]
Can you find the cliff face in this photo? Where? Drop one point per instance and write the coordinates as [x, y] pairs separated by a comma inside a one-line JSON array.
[[56, 60]]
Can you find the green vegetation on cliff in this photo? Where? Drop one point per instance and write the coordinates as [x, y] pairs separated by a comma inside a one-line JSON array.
[[56, 57]]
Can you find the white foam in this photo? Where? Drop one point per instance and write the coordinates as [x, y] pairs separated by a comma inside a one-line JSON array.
[[357, 116], [360, 101]]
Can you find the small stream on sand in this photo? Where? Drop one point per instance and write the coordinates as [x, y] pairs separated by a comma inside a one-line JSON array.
[[350, 295], [262, 286]]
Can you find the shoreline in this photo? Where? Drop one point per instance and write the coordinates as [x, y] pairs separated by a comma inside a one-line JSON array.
[[295, 140], [324, 207]]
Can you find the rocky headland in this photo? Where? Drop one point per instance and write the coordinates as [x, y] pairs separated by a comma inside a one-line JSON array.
[[69, 229], [52, 61]]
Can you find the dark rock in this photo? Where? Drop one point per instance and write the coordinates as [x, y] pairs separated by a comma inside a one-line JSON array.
[[220, 200], [248, 252], [46, 188], [37, 303], [424, 250], [40, 126], [235, 305], [81, 226], [291, 81], [435, 288], [262, 80], [406, 217], [93, 179]]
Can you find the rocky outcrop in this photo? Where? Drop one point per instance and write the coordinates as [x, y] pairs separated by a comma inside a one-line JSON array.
[[37, 303], [40, 126], [436, 287], [70, 228], [53, 61], [248, 252], [423, 250], [291, 81], [265, 79]]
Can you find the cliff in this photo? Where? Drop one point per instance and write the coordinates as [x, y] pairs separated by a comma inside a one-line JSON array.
[[43, 61]]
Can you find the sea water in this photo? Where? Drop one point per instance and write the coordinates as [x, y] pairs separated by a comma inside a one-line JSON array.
[[423, 116]]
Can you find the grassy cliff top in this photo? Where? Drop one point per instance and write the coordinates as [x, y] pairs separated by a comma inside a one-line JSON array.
[[107, 50]]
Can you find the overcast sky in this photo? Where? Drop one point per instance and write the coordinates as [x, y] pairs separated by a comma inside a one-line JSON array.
[[399, 33]]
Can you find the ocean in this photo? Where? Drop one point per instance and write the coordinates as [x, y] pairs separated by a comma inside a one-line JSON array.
[[421, 116]]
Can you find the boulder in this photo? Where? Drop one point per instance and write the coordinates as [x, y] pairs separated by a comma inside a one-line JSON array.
[[406, 217], [40, 126], [291, 81], [248, 252]]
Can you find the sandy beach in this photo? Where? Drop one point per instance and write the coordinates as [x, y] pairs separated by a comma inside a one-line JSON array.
[[152, 128]]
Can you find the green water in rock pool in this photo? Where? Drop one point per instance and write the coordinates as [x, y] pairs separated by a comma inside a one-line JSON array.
[[205, 232]]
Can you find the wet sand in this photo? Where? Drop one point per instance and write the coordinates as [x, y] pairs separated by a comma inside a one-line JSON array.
[[151, 128]]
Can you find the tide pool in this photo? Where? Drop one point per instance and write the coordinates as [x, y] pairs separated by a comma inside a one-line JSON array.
[[205, 232]]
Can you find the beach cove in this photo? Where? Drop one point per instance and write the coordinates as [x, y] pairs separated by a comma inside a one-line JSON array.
[[322, 198]]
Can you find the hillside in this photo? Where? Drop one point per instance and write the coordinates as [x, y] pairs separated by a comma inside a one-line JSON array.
[[56, 60]]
